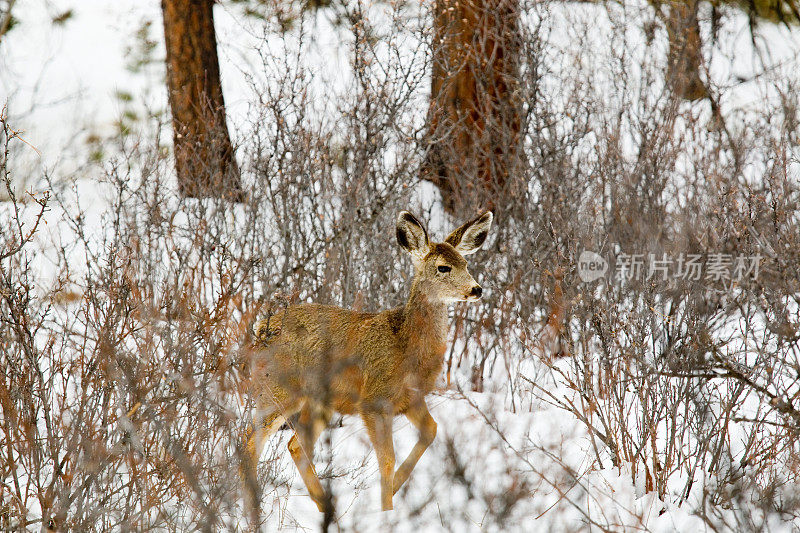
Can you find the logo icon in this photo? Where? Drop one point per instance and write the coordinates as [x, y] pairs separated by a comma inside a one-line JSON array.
[[591, 266]]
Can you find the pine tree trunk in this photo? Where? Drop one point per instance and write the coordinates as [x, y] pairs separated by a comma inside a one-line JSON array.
[[475, 110], [685, 56], [204, 158]]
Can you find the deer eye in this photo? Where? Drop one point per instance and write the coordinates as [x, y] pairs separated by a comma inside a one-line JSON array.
[[444, 269]]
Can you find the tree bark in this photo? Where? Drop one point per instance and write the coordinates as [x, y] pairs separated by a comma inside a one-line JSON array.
[[685, 56], [204, 157], [475, 110]]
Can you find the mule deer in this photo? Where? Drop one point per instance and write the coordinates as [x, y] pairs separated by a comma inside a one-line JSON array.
[[316, 359]]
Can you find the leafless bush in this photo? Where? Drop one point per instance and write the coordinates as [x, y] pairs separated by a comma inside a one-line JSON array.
[[123, 404], [683, 382]]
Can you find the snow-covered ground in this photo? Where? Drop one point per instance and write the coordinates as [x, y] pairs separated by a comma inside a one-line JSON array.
[[537, 462], [536, 468]]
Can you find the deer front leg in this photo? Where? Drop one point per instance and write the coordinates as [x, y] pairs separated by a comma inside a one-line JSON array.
[[379, 429], [421, 418]]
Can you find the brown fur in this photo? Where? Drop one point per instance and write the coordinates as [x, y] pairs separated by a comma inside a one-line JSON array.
[[316, 359]]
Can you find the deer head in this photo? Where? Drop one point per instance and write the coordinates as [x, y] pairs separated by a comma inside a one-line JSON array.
[[440, 268]]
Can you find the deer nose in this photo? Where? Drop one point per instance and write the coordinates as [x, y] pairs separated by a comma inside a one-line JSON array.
[[476, 291]]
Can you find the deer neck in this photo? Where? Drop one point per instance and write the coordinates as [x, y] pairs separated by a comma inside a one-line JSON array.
[[424, 325]]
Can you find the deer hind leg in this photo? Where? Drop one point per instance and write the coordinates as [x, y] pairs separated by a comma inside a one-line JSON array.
[[379, 429], [421, 418], [268, 421], [313, 419]]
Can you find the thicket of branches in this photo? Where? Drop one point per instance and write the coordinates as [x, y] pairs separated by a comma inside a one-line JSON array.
[[124, 332]]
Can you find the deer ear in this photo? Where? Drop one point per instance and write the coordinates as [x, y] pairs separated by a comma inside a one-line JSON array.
[[468, 238], [411, 235]]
